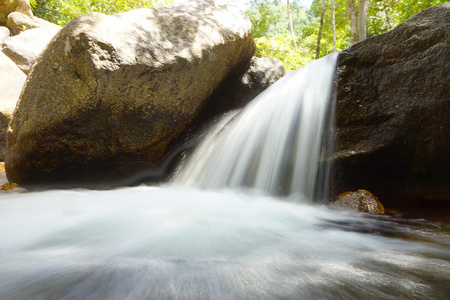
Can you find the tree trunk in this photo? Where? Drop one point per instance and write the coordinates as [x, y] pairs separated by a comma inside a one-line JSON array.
[[333, 24], [386, 15], [353, 16], [319, 35], [362, 19], [290, 24]]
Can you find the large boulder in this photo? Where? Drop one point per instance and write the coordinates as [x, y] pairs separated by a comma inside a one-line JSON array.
[[110, 93], [24, 48], [11, 84], [393, 111]]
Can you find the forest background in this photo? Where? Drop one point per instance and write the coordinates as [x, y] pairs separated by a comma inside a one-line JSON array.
[[286, 29]]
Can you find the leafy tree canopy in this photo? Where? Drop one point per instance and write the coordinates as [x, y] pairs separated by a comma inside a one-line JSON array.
[[271, 26], [270, 19], [62, 11]]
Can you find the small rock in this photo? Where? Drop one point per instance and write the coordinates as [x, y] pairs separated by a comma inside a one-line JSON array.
[[18, 22], [12, 188], [24, 48], [361, 200], [9, 6]]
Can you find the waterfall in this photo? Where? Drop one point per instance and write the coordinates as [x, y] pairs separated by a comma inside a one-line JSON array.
[[276, 143], [172, 242]]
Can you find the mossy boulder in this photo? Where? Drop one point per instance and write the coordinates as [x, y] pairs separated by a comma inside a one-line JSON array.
[[109, 94]]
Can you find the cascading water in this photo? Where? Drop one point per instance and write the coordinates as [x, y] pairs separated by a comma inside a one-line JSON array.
[[172, 242], [275, 143]]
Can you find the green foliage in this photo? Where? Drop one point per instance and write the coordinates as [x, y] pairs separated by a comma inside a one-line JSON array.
[[281, 47], [270, 22], [385, 15], [272, 35], [62, 11], [262, 17]]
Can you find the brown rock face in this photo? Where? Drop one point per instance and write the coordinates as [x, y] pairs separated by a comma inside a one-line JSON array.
[[393, 111], [109, 93], [361, 200], [4, 121]]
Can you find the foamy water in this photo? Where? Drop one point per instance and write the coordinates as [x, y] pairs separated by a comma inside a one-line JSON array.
[[178, 243]]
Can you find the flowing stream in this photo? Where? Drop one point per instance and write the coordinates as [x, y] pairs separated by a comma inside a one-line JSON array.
[[240, 220], [275, 143]]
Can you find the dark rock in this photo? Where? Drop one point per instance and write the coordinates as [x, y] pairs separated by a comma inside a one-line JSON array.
[[241, 88], [393, 111], [361, 200], [110, 93], [4, 121], [261, 73]]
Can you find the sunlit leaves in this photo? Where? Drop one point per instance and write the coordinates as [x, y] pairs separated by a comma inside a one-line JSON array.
[[62, 11]]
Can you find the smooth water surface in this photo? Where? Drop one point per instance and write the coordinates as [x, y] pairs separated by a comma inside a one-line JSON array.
[[178, 243]]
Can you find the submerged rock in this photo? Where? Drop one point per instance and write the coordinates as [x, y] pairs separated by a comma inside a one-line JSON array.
[[393, 111], [12, 188], [361, 200], [109, 93]]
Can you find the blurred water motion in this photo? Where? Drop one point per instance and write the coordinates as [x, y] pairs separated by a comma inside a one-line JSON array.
[[178, 243]]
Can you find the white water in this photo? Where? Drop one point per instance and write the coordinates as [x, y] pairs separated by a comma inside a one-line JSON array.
[[178, 243], [275, 143], [174, 242]]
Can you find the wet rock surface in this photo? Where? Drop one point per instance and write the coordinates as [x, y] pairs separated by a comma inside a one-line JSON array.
[[361, 200], [393, 111]]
